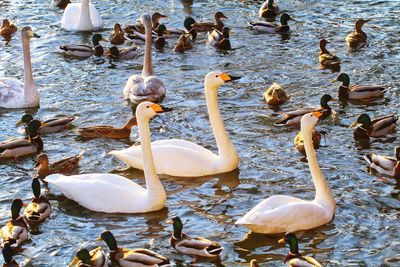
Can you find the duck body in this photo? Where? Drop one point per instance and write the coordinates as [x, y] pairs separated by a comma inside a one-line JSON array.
[[364, 93], [269, 10], [81, 17], [299, 142], [85, 51], [377, 127], [123, 53], [177, 33], [275, 95], [155, 22], [210, 26], [54, 125], [108, 131], [294, 258], [270, 27], [219, 39], [185, 42], [61, 3], [326, 58], [65, 166], [117, 37], [385, 165], [8, 255], [39, 208], [16, 230], [357, 38], [7, 29]]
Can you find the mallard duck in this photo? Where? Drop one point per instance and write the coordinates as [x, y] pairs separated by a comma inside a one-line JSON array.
[[219, 39], [85, 51], [54, 125], [8, 29], [275, 95], [108, 131], [65, 166], [39, 209], [358, 92], [357, 37], [117, 37], [61, 3], [16, 230], [155, 22], [21, 147], [269, 10], [132, 257], [209, 25], [159, 40], [94, 258], [122, 53], [269, 27], [294, 258], [385, 165], [197, 246], [327, 59], [172, 32], [81, 17], [377, 127], [299, 142], [7, 255], [254, 263], [293, 118], [185, 42]]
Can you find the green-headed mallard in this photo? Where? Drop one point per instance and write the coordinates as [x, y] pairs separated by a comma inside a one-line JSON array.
[[85, 51], [132, 257], [357, 37], [54, 125], [275, 95], [65, 166], [358, 92], [220, 39], [299, 142], [269, 10], [122, 53], [7, 255], [197, 246], [61, 3], [185, 42], [327, 59], [294, 258], [39, 209], [188, 29], [377, 127], [94, 258], [269, 27], [209, 25], [155, 22], [21, 147], [104, 131], [117, 36], [16, 230], [293, 118], [385, 165], [8, 28]]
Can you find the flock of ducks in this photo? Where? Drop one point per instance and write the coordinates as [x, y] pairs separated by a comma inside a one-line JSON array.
[[111, 193]]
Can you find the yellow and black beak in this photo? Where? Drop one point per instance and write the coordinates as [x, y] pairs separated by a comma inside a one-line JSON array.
[[160, 109], [74, 262], [34, 35], [99, 238], [317, 114], [20, 122], [282, 241], [228, 78]]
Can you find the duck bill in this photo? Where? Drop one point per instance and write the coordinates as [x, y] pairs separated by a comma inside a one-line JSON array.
[[228, 78], [354, 124], [163, 16], [281, 241], [74, 262], [43, 124], [104, 39], [36, 165], [99, 238], [20, 122], [169, 221], [334, 80]]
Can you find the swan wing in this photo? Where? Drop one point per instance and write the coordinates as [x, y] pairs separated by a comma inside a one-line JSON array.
[[11, 93], [95, 16], [70, 18]]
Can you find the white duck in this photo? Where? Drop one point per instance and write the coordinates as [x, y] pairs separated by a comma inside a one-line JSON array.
[[110, 193], [81, 17], [145, 87], [15, 94], [178, 157], [279, 213]]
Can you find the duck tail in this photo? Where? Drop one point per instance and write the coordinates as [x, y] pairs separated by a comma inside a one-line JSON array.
[[214, 249], [63, 48], [368, 158]]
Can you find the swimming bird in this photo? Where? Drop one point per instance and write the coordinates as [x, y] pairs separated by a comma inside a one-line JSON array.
[[159, 39], [155, 22], [254, 263], [275, 95], [8, 29], [104, 131], [269, 10], [209, 25], [61, 3], [81, 17], [299, 142], [378, 127], [385, 165], [357, 37], [54, 125], [122, 53], [65, 166], [8, 256], [280, 213], [326, 58], [16, 230], [94, 258], [177, 157], [39, 209], [15, 94], [85, 51], [188, 22], [185, 43], [219, 39], [270, 27], [117, 36]]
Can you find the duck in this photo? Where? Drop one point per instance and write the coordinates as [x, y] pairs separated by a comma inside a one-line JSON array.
[[155, 22], [357, 37], [14, 148], [104, 131], [326, 58], [85, 51], [81, 17], [159, 39], [54, 125], [39, 209], [185, 42], [197, 246], [280, 213], [209, 25], [8, 256], [294, 258], [16, 230], [385, 165], [293, 118], [66, 166], [275, 95], [177, 157], [61, 3], [177, 33], [270, 27], [254, 263], [15, 94], [117, 36], [219, 39], [111, 193], [147, 86], [122, 53], [124, 257], [85, 258], [8, 29], [378, 127], [269, 10], [364, 93], [299, 142]]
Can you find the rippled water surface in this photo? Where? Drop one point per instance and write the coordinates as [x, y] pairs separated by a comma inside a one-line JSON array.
[[365, 231]]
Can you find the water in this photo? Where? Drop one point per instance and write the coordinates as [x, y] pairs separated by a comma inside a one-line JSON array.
[[365, 229]]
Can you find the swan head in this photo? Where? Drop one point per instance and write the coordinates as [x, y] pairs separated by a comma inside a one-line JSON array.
[[27, 33], [309, 120], [147, 110], [215, 79], [145, 19]]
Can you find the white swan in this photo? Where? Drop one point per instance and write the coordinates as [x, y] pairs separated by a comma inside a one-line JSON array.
[[279, 213], [110, 193], [178, 157], [15, 94], [145, 87], [81, 17]]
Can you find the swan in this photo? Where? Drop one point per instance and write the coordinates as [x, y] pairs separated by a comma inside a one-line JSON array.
[[279, 213], [110, 193], [15, 94], [178, 157], [81, 17], [145, 87]]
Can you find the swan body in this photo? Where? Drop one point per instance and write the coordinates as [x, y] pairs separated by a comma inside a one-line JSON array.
[[279, 213], [178, 157], [81, 17], [111, 193]]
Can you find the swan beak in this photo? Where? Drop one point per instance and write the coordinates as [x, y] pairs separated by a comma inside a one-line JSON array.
[[19, 122], [353, 124], [74, 262], [35, 35], [317, 114], [169, 221], [160, 109], [227, 78], [282, 241]]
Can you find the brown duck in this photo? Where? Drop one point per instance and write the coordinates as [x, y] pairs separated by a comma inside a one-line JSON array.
[[155, 22], [7, 29], [209, 25], [65, 166], [326, 58], [104, 131], [185, 42], [117, 37], [357, 37]]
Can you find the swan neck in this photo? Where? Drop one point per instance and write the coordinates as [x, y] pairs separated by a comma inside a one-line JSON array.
[[147, 61], [29, 84], [85, 21]]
